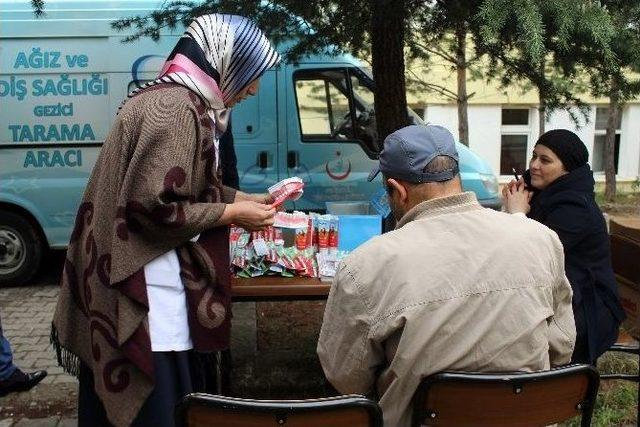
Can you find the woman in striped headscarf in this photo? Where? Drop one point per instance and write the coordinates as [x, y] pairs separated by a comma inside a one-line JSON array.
[[145, 297]]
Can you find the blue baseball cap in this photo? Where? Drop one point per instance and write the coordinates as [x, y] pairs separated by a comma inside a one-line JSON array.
[[407, 151]]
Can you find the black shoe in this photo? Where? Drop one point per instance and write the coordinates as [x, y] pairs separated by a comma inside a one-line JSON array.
[[20, 381]]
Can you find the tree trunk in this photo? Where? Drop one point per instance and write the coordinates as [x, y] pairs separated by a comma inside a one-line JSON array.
[[461, 68], [610, 146], [542, 106], [541, 113], [387, 52]]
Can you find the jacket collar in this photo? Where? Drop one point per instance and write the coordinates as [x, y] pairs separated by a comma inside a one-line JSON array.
[[461, 202], [580, 179]]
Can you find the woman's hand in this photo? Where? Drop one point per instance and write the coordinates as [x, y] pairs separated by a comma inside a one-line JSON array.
[[517, 197], [250, 215], [264, 198], [505, 190]]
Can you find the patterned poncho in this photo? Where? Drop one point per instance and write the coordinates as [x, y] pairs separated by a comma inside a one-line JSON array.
[[153, 188]]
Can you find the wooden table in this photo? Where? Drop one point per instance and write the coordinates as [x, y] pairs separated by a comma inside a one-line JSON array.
[[274, 288]]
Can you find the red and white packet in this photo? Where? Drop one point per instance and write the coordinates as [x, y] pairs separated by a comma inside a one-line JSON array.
[[287, 189]]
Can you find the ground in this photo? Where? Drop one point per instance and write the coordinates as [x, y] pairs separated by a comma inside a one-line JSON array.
[[279, 362]]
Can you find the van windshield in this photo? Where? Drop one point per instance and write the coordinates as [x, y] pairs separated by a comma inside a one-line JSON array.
[[328, 111], [363, 86]]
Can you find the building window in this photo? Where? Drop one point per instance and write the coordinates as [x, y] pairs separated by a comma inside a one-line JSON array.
[[515, 131], [515, 116], [597, 162]]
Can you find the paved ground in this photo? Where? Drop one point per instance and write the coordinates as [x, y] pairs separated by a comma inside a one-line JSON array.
[[279, 363]]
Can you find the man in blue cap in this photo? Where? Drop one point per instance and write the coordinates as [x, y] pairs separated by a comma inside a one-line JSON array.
[[454, 286]]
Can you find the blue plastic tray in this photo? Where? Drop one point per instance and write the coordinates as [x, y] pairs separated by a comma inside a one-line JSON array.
[[354, 230]]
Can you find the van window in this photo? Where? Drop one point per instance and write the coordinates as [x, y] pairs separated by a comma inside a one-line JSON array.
[[328, 100], [323, 105]]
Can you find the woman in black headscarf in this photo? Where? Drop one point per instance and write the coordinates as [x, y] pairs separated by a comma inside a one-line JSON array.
[[558, 191]]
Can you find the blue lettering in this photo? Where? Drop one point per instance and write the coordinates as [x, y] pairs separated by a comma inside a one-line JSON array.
[[66, 110], [71, 60], [37, 87], [13, 87], [50, 159], [53, 110], [83, 61], [62, 132], [87, 133], [49, 88], [67, 158], [38, 133], [43, 159], [56, 159], [14, 131], [21, 61], [55, 56], [25, 133], [79, 60], [72, 134], [38, 59], [67, 86], [30, 160], [35, 59], [53, 133]]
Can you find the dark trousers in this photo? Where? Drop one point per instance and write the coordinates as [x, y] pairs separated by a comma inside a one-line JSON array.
[[6, 357], [173, 380]]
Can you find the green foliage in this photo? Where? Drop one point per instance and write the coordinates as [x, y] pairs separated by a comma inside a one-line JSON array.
[[307, 27], [615, 78], [38, 7], [546, 43]]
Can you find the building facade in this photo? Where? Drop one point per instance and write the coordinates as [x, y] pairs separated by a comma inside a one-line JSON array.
[[504, 135]]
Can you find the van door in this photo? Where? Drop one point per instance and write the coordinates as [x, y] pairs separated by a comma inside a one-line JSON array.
[[255, 134], [324, 148]]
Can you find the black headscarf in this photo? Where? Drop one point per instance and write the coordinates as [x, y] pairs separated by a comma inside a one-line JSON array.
[[567, 146]]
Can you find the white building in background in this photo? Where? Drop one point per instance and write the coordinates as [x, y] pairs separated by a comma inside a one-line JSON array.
[[503, 126], [505, 135]]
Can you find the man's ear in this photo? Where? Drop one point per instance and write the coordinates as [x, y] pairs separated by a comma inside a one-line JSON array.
[[398, 187]]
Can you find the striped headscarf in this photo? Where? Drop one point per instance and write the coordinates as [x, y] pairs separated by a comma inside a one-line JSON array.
[[217, 57]]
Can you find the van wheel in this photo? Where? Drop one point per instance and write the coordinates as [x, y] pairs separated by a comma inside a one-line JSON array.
[[21, 249]]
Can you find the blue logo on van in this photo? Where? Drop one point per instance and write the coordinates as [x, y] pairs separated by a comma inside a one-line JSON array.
[[137, 64]]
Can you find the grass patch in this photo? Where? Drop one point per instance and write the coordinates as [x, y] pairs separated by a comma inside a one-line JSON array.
[[617, 400], [623, 199]]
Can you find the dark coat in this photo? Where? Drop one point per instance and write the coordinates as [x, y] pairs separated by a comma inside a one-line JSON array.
[[228, 159], [568, 207]]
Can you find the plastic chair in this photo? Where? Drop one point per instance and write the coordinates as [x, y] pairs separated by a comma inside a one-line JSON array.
[[512, 399], [200, 410]]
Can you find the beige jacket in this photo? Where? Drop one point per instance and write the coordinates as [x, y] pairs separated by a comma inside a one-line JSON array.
[[454, 287]]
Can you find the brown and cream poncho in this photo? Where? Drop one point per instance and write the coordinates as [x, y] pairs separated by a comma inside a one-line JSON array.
[[152, 189]]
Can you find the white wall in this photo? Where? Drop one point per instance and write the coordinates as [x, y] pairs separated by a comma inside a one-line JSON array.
[[561, 119], [485, 132], [629, 157], [443, 115]]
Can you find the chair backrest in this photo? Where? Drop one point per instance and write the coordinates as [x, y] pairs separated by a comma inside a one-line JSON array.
[[200, 410], [514, 399]]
